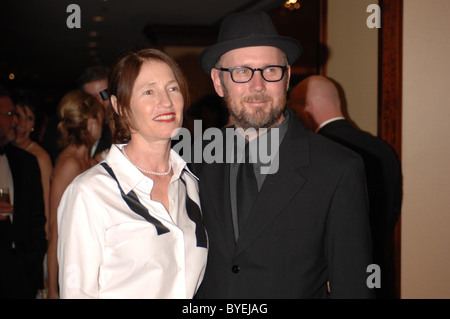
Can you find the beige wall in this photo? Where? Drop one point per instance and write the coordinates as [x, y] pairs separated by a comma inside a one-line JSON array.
[[353, 60], [425, 251], [426, 150]]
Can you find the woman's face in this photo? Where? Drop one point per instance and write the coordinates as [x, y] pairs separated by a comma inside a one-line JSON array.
[[25, 124], [94, 126], [156, 103]]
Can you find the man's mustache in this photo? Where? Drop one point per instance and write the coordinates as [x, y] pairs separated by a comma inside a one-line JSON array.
[[257, 98]]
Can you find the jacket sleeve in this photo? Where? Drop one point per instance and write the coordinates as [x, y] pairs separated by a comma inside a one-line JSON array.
[[39, 240], [348, 236]]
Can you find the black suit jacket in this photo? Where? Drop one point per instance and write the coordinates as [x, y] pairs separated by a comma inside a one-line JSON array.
[[105, 141], [384, 183], [21, 269], [309, 225], [383, 170]]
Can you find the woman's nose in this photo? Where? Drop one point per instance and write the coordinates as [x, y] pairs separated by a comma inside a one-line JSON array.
[[165, 100]]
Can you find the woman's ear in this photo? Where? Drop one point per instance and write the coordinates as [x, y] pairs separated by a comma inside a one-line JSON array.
[[94, 128], [114, 104]]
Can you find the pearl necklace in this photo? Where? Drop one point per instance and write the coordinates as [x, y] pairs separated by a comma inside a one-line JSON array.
[[30, 146], [143, 169]]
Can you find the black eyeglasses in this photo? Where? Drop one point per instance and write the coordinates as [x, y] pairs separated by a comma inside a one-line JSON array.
[[243, 74], [9, 114]]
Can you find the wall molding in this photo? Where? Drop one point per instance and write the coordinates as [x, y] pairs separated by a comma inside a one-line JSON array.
[[390, 98]]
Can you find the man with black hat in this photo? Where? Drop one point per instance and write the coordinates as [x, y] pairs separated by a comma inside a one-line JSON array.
[[305, 231]]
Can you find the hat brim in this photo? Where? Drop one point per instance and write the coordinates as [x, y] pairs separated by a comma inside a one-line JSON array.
[[291, 47]]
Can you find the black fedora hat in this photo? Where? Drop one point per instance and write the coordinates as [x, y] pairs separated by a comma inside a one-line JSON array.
[[239, 30]]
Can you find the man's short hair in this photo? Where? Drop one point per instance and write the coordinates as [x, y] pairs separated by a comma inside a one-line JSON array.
[[93, 73], [4, 91]]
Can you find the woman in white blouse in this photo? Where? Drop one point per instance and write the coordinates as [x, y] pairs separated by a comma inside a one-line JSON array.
[[131, 226]]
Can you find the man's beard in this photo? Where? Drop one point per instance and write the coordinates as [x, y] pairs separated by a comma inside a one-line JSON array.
[[9, 137], [259, 118]]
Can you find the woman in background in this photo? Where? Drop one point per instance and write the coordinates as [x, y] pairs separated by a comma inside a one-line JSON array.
[[81, 118], [131, 227], [25, 139], [26, 129]]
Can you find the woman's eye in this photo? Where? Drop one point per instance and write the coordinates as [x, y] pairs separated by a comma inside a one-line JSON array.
[[174, 89], [148, 92]]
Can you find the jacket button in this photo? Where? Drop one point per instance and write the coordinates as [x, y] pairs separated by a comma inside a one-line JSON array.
[[235, 269]]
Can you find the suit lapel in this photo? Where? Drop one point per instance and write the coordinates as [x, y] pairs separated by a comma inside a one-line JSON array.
[[279, 188], [220, 203]]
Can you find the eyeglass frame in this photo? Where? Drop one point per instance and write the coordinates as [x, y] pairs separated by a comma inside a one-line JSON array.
[[230, 70], [9, 114]]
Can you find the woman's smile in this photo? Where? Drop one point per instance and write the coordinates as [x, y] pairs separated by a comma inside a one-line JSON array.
[[166, 117]]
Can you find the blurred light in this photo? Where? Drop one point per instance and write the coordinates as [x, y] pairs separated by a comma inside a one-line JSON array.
[[12, 76], [94, 33], [98, 18], [92, 44], [93, 53], [292, 5]]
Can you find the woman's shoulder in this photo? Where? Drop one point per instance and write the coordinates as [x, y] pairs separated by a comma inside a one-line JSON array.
[[41, 155], [67, 165], [95, 181]]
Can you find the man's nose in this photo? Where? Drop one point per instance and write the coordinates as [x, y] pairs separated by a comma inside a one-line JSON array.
[[15, 118], [257, 83]]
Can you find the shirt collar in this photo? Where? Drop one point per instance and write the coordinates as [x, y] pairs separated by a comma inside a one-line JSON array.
[[129, 176], [179, 165], [329, 121]]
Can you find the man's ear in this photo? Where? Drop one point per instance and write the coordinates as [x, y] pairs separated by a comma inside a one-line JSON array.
[[308, 107], [288, 74], [216, 82]]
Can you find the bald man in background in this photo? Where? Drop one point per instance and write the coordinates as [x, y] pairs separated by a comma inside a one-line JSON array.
[[317, 103]]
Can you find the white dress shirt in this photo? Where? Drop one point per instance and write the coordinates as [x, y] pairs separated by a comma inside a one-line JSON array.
[[6, 179], [329, 121], [106, 250]]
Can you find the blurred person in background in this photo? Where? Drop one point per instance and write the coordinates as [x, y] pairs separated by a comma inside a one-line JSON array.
[[22, 217], [81, 120], [317, 103], [26, 111], [94, 80]]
